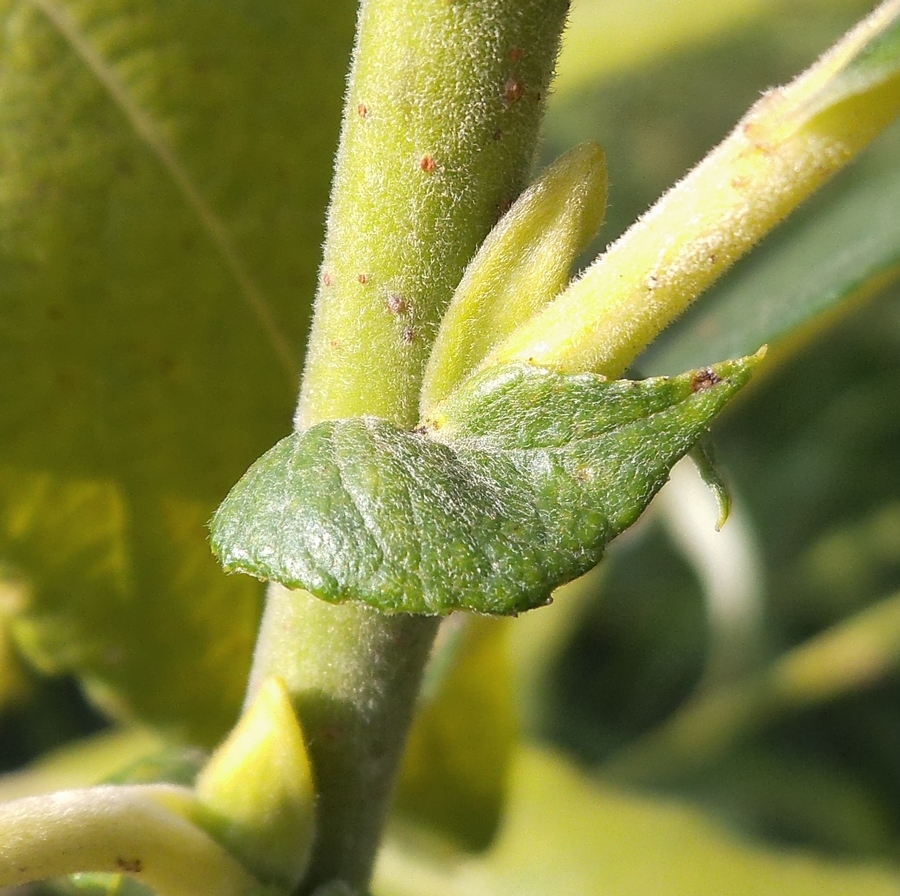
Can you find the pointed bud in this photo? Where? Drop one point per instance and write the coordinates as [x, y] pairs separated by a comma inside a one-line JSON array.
[[523, 264], [259, 791]]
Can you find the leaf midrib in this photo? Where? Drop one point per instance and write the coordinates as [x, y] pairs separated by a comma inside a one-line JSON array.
[[148, 131]]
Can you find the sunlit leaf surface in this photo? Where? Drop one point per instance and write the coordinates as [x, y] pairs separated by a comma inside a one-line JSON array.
[[565, 835], [164, 174]]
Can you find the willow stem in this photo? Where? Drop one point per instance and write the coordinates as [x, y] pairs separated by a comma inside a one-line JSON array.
[[786, 147], [142, 831], [439, 134]]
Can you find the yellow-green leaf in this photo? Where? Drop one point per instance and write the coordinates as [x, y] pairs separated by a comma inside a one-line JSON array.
[[455, 771], [163, 176], [564, 834]]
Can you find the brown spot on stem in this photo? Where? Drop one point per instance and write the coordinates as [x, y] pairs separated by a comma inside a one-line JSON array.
[[432, 424], [428, 164], [397, 304], [410, 335], [704, 379], [132, 866], [513, 90], [515, 53], [326, 279], [363, 278], [363, 110], [759, 137], [498, 134]]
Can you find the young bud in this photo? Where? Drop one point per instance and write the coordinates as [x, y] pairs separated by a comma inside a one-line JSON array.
[[523, 264], [258, 790]]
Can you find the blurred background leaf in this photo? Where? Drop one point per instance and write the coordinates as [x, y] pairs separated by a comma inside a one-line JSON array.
[[565, 834], [454, 775], [810, 452], [164, 177], [633, 35], [138, 384]]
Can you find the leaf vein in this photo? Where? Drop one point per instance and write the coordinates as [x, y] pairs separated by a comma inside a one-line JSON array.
[[147, 131]]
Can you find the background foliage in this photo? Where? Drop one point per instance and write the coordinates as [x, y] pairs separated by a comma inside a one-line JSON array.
[[138, 382]]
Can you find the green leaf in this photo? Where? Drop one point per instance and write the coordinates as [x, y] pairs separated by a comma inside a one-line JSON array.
[[511, 488], [566, 834], [164, 175], [456, 766], [851, 655], [846, 250]]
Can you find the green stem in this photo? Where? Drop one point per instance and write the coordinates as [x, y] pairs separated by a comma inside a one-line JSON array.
[[143, 831], [789, 143], [354, 674], [440, 129]]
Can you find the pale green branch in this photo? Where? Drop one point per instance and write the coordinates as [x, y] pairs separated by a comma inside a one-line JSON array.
[[439, 133], [141, 831], [788, 145]]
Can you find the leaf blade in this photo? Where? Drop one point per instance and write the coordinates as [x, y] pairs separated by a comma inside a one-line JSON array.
[[135, 380], [525, 478], [565, 833], [455, 772]]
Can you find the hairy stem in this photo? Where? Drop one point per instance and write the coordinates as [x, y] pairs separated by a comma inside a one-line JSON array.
[[353, 674], [787, 146], [142, 831], [439, 133]]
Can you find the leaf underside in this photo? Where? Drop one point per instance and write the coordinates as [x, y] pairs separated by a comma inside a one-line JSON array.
[[512, 488], [160, 212]]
